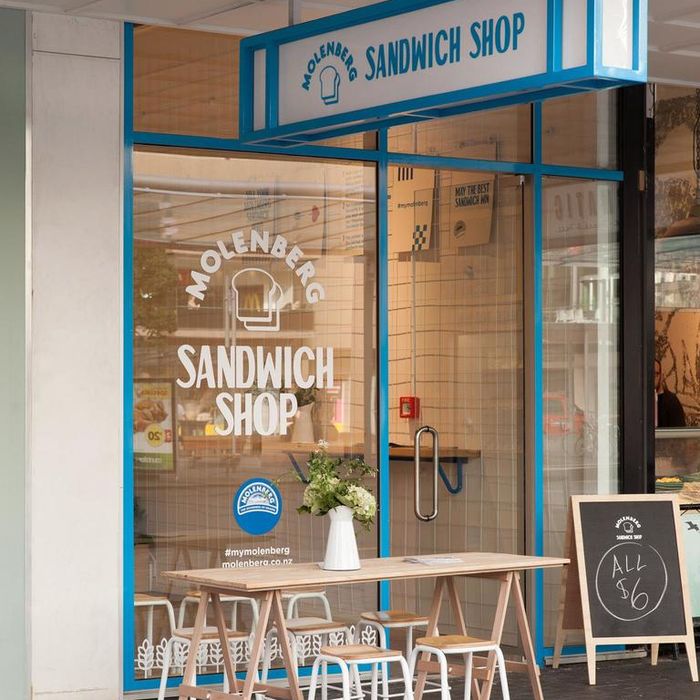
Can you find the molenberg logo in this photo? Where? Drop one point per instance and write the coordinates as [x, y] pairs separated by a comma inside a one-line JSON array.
[[257, 506], [477, 40], [256, 384], [334, 55], [627, 527]]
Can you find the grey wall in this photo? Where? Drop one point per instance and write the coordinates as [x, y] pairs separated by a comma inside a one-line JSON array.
[[13, 642]]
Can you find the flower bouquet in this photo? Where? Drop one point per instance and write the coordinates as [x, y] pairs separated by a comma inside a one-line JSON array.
[[335, 488]]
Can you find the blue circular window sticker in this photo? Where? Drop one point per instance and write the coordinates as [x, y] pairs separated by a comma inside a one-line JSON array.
[[257, 506]]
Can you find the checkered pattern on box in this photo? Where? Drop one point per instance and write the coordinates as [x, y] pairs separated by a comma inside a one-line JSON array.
[[420, 237]]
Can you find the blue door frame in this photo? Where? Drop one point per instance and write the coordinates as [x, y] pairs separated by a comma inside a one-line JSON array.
[[382, 158]]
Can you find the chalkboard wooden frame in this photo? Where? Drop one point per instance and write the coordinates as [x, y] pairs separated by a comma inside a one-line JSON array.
[[574, 607]]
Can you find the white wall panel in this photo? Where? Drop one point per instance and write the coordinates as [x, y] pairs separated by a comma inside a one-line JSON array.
[[76, 35], [76, 417]]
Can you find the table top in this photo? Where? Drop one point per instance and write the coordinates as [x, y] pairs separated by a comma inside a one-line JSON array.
[[295, 576]]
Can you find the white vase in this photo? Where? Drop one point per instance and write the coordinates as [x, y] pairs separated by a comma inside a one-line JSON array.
[[304, 425], [341, 548]]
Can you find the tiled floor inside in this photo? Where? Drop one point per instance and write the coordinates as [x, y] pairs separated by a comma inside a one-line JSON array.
[[633, 679]]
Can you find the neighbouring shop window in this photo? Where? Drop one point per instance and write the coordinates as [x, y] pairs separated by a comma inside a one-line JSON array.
[[677, 290], [496, 134], [581, 355], [185, 82], [581, 130], [254, 337]]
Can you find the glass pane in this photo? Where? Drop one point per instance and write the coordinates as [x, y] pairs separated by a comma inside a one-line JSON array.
[[237, 376], [581, 306], [677, 291], [185, 82], [497, 134], [581, 130], [456, 343]]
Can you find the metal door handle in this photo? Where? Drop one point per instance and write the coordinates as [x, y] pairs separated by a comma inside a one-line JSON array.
[[436, 467]]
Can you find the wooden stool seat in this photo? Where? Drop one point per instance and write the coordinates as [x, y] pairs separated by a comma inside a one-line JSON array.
[[222, 597], [453, 641], [389, 618], [349, 657], [314, 625], [146, 598], [296, 591], [353, 652], [208, 633]]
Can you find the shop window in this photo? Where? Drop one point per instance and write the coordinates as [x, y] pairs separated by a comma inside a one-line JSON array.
[[677, 291], [498, 134], [581, 130], [185, 82], [581, 382], [194, 445]]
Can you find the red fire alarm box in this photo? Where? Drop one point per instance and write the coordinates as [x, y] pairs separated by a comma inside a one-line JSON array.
[[409, 407]]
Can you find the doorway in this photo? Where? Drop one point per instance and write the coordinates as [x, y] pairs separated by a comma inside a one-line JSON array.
[[456, 358]]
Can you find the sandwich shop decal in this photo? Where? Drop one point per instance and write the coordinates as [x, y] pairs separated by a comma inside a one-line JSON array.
[[255, 385]]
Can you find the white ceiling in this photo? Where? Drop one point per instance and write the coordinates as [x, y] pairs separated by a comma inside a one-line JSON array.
[[674, 25]]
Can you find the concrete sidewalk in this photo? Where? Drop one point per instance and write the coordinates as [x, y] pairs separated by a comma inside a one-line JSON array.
[[616, 680]]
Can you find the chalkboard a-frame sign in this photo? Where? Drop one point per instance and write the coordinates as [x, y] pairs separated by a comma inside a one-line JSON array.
[[627, 581]]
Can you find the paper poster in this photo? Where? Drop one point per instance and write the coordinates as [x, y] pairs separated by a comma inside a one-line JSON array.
[[411, 202], [154, 447], [470, 196]]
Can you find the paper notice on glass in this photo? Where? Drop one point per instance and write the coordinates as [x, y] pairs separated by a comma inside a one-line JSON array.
[[433, 560]]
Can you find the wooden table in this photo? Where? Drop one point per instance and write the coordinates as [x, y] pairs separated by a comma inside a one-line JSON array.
[[266, 584]]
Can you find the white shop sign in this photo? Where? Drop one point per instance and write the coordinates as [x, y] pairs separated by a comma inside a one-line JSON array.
[[416, 57], [447, 47]]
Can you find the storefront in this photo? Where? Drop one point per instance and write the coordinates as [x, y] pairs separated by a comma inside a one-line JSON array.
[[461, 272], [485, 270]]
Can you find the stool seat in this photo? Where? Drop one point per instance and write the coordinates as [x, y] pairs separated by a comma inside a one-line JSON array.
[[223, 597], [146, 598], [311, 625], [208, 633], [389, 618], [310, 589], [353, 652], [454, 641]]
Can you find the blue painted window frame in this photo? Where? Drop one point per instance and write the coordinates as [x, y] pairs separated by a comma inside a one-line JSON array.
[[536, 169], [555, 81]]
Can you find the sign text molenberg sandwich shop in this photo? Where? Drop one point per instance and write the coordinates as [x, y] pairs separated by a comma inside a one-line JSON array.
[[403, 60], [256, 384]]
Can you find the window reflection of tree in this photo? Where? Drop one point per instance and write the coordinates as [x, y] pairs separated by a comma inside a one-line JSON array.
[[680, 365]]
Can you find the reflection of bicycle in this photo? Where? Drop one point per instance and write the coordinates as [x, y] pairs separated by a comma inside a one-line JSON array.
[[587, 441]]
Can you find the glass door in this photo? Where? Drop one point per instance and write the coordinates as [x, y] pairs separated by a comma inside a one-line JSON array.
[[456, 365], [254, 337]]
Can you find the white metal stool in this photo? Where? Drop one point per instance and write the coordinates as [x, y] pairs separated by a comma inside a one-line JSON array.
[[233, 600], [303, 627], [347, 657], [152, 601], [210, 636], [465, 646], [293, 598], [384, 620]]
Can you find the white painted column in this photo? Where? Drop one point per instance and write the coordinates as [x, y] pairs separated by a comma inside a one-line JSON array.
[[76, 359]]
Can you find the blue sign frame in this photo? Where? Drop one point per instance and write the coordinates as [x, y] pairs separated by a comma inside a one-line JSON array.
[[555, 81]]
